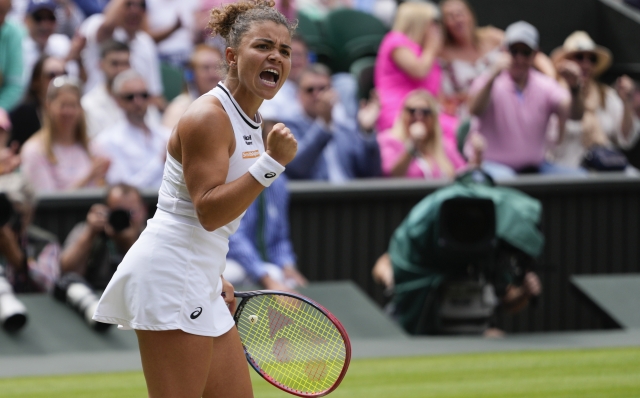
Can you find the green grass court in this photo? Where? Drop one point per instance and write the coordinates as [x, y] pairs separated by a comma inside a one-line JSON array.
[[567, 373]]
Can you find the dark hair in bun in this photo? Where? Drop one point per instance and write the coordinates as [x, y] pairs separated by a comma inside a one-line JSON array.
[[232, 21]]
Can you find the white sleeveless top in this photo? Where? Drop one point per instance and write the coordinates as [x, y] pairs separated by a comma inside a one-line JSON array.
[[173, 196]]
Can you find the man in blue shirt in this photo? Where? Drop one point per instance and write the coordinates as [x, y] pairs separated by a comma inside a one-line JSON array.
[[331, 145], [260, 251]]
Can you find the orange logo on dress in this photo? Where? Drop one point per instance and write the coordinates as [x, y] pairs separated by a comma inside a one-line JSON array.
[[250, 154]]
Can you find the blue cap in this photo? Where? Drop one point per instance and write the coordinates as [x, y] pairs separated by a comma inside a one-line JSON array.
[[37, 5]]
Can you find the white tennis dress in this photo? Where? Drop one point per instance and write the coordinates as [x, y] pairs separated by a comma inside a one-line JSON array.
[[170, 278]]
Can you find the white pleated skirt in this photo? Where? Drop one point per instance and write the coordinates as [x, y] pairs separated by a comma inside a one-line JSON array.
[[170, 279]]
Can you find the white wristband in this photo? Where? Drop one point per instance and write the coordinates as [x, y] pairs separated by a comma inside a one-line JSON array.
[[266, 169]]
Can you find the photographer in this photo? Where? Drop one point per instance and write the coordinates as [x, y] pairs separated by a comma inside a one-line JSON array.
[[29, 256], [94, 248]]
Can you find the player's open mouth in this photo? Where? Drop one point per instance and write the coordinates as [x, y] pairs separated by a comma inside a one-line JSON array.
[[270, 77]]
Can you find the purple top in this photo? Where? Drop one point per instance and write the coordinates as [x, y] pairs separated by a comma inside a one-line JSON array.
[[393, 84], [515, 123]]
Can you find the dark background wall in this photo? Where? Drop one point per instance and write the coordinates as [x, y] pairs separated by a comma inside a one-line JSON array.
[[610, 24], [591, 225]]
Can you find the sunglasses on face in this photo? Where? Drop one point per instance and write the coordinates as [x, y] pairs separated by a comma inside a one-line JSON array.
[[524, 51], [312, 89], [131, 4], [130, 97], [591, 57], [44, 17], [423, 111], [116, 64], [54, 74]]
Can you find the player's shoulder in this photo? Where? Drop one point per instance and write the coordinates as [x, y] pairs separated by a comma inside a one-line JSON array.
[[204, 115]]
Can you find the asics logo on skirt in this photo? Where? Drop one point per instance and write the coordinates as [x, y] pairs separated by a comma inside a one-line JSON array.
[[196, 313]]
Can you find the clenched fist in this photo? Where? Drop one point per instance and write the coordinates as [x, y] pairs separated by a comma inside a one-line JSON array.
[[281, 144]]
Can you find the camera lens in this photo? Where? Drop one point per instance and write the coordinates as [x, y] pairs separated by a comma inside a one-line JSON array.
[[119, 219], [13, 314], [74, 290]]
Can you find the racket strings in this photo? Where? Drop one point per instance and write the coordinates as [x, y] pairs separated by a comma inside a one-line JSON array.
[[292, 343]]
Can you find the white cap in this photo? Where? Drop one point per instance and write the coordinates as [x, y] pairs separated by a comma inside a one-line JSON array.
[[521, 32]]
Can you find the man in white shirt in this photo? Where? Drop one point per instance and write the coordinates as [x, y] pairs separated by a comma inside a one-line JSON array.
[[40, 21], [122, 21], [137, 150], [101, 109]]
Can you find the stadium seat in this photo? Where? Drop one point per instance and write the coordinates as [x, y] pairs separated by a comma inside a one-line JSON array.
[[172, 81], [309, 30], [351, 35]]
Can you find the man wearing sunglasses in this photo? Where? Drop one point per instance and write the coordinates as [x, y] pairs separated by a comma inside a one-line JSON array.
[[513, 104], [100, 106], [137, 149], [331, 145], [122, 21], [40, 21]]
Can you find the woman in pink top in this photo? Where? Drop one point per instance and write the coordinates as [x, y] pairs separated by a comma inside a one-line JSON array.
[[414, 147], [406, 59], [57, 157]]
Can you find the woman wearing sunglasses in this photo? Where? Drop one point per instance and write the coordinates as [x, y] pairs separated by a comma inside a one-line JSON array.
[[58, 157], [609, 119], [414, 146]]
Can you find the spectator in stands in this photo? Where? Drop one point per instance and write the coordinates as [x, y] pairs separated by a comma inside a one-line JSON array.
[[41, 40], [122, 21], [26, 118], [10, 64], [58, 157], [414, 146], [94, 248], [100, 106], [469, 51], [171, 25], [407, 59], [609, 117], [30, 255], [260, 251], [331, 146], [137, 149], [205, 72], [513, 103]]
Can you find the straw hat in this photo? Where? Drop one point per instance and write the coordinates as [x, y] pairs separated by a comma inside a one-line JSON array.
[[579, 42]]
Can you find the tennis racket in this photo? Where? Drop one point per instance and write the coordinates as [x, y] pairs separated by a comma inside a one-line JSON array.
[[292, 342]]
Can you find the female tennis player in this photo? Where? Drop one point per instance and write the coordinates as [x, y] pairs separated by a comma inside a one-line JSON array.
[[168, 287]]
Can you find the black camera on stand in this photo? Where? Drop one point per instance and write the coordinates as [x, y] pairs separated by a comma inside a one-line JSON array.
[[74, 290]]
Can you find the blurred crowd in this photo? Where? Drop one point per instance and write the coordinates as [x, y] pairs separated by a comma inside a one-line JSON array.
[[84, 104]]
